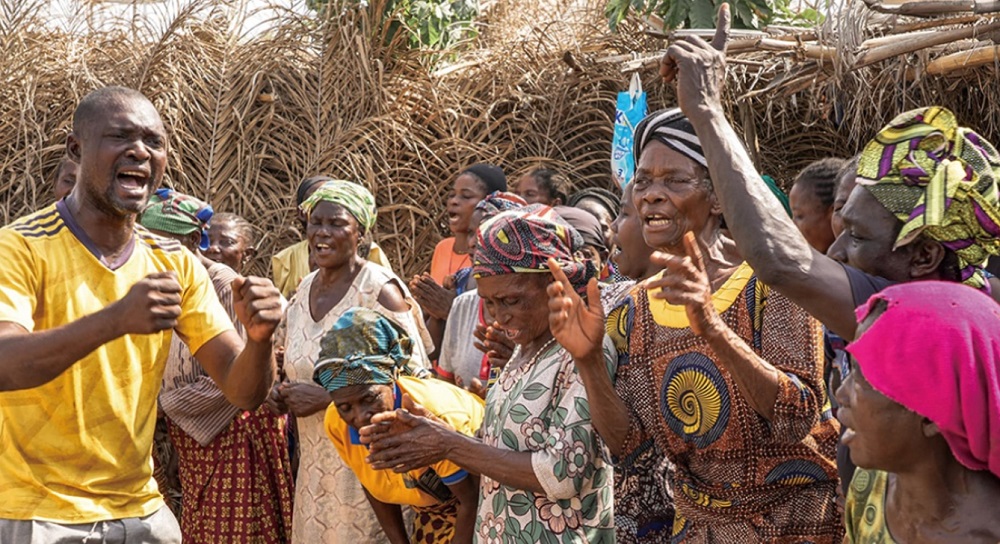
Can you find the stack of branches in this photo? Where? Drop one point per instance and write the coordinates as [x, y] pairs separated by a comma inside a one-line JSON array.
[[252, 110], [825, 90], [256, 103]]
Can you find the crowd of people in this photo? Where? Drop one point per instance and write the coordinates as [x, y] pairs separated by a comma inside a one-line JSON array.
[[699, 359]]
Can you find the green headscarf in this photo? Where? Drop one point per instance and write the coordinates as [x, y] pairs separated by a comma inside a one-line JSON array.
[[353, 197], [177, 213]]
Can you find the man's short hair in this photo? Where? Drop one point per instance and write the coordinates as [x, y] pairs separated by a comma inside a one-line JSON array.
[[97, 102]]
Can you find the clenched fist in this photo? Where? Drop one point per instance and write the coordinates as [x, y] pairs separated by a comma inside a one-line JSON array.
[[258, 305], [150, 306]]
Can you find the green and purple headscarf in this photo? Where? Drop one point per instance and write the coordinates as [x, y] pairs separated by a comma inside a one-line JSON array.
[[940, 180]]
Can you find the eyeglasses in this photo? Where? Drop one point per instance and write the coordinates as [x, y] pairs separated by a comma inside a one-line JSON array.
[[672, 184]]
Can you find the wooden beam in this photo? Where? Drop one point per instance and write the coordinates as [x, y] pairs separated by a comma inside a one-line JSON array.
[[908, 44]]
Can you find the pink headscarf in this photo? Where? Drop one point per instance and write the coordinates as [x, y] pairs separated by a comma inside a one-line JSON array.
[[936, 351]]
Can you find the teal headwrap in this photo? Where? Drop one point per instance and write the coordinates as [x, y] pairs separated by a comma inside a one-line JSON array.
[[363, 348]]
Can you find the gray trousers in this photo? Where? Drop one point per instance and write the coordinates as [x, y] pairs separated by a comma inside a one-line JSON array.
[[160, 527]]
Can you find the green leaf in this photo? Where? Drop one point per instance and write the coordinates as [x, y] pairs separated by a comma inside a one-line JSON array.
[[605, 536], [559, 416], [548, 538], [582, 407], [702, 14], [509, 439], [599, 477], [559, 470], [519, 414], [535, 391], [534, 530], [616, 11], [513, 528], [587, 506], [500, 502], [676, 13], [520, 504]]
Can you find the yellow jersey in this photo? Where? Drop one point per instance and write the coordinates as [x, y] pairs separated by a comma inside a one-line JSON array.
[[456, 406], [78, 448]]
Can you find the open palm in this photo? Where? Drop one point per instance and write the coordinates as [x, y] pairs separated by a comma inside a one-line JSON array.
[[576, 324]]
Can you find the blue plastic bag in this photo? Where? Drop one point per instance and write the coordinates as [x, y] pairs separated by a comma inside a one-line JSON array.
[[630, 110]]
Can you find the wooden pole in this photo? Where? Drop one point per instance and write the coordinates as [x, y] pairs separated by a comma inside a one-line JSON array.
[[963, 60], [923, 9], [934, 23], [908, 44]]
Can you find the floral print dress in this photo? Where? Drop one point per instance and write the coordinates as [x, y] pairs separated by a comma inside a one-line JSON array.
[[541, 407]]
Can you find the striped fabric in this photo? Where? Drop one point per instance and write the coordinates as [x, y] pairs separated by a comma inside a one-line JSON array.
[[189, 397], [671, 128]]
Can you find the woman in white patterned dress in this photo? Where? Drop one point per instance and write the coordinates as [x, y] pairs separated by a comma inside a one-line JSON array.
[[330, 505]]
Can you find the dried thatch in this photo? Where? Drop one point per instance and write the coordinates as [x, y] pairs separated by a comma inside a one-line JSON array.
[[803, 92], [252, 114]]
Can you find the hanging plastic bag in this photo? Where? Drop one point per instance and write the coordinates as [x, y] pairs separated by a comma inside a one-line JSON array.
[[630, 110]]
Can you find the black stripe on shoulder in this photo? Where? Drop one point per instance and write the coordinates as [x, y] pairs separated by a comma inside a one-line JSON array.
[[155, 241], [37, 225], [42, 233], [37, 218]]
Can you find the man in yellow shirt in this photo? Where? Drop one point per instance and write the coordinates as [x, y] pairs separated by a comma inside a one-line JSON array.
[[89, 301]]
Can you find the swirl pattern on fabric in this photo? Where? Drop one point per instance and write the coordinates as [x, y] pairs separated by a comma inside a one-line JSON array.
[[796, 472], [363, 348], [521, 241], [938, 179], [353, 197], [695, 400]]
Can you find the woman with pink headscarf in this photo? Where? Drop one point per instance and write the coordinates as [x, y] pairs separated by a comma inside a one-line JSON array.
[[921, 406]]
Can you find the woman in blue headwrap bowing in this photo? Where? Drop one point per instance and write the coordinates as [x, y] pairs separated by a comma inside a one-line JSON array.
[[366, 365]]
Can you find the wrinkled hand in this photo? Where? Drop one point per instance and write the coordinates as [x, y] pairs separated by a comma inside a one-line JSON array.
[[685, 282], [475, 386], [405, 439], [151, 305], [303, 399], [578, 326], [258, 306], [275, 401], [699, 68], [434, 300], [497, 347]]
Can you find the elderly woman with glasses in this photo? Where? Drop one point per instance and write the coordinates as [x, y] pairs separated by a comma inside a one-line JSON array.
[[716, 372]]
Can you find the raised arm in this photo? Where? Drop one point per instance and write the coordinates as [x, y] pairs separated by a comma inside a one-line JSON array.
[[578, 326], [32, 359], [766, 237], [245, 372]]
